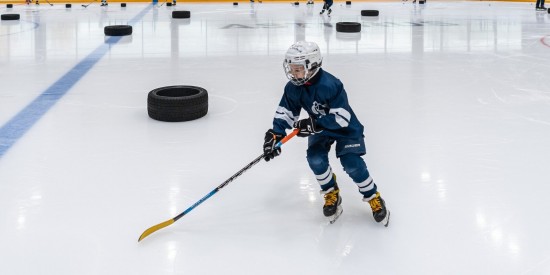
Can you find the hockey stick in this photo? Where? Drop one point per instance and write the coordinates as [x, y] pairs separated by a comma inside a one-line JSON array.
[[154, 228], [163, 3], [49, 3], [89, 4]]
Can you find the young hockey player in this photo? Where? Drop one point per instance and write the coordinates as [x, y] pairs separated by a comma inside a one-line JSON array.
[[331, 120], [326, 6]]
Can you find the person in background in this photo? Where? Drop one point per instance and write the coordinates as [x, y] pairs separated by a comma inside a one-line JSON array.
[[326, 6], [540, 5]]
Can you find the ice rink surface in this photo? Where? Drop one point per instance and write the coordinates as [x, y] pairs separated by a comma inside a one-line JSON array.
[[454, 98]]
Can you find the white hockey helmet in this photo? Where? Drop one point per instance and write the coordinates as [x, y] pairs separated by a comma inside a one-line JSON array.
[[306, 54]]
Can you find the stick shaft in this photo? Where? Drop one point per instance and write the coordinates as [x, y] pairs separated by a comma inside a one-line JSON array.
[[159, 226], [236, 175], [88, 4]]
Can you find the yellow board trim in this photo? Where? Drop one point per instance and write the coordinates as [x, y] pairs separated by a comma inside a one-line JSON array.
[[18, 2]]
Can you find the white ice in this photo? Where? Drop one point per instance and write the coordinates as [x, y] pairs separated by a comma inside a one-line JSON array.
[[454, 97]]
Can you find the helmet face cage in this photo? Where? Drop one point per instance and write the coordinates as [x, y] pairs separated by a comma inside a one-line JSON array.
[[288, 71], [306, 54]]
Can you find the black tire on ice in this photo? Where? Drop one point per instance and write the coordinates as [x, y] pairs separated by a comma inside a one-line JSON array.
[[9, 6], [118, 30], [348, 2], [369, 13], [177, 103], [181, 14], [10, 16], [68, 6], [348, 27], [123, 5], [168, 4]]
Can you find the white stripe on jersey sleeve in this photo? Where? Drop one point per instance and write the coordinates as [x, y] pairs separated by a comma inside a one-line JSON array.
[[341, 115], [286, 115]]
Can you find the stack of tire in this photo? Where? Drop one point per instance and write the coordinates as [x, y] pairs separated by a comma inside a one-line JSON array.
[[181, 14], [370, 13], [118, 30], [349, 27], [177, 103], [10, 16]]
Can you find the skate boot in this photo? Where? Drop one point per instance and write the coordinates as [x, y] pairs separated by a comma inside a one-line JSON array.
[[323, 11], [379, 211], [329, 12], [332, 208]]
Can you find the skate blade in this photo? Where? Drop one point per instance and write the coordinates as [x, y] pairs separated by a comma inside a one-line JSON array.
[[332, 219], [386, 220]]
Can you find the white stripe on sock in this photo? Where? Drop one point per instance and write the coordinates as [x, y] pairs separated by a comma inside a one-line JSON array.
[[325, 177], [369, 186]]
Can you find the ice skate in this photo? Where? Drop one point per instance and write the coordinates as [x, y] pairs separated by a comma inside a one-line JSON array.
[[332, 208], [379, 211], [329, 12], [323, 11]]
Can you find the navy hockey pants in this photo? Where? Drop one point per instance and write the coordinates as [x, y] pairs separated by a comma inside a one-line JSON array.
[[349, 151], [328, 4]]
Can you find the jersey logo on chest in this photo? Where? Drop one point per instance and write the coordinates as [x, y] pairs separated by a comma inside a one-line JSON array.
[[318, 109]]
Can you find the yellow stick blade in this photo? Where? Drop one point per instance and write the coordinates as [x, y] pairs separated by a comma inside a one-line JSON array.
[[152, 229]]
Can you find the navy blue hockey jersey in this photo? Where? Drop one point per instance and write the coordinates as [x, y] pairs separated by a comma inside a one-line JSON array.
[[325, 100]]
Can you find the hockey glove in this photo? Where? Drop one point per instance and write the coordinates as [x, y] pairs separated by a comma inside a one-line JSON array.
[[307, 127], [270, 140]]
